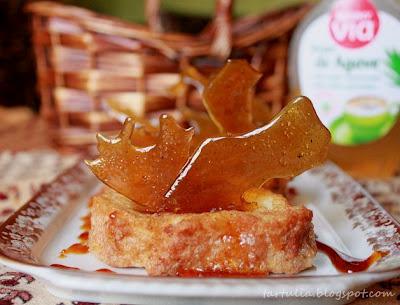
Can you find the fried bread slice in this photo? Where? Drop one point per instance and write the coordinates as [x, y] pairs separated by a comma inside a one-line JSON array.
[[271, 237]]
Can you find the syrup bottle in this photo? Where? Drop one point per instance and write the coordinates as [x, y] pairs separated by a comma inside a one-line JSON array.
[[345, 56]]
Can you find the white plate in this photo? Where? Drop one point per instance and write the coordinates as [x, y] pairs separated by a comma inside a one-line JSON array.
[[345, 217]]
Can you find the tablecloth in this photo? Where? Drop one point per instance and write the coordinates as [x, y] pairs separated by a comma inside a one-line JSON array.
[[22, 173]]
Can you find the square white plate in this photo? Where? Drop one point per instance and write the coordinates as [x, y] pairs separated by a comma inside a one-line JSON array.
[[345, 216]]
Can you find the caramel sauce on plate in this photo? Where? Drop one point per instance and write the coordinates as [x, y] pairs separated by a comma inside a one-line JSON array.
[[81, 247], [105, 270], [86, 225], [77, 248], [83, 237], [347, 264], [63, 267]]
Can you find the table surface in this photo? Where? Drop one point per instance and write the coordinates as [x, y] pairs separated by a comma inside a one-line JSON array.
[[24, 136]]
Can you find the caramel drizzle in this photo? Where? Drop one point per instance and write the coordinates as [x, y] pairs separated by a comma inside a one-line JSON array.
[[81, 247], [63, 267], [347, 264]]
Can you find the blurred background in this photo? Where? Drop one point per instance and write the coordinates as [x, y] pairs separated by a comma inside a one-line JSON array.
[[67, 66], [84, 65], [17, 62]]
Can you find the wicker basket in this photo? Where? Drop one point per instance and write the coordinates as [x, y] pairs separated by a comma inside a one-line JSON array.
[[84, 58]]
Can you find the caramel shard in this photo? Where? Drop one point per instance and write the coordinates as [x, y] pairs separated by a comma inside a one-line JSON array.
[[228, 97], [143, 174], [223, 168], [143, 136], [262, 113], [192, 73], [203, 126]]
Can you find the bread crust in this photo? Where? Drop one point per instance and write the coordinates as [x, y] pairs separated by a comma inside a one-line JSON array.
[[271, 237]]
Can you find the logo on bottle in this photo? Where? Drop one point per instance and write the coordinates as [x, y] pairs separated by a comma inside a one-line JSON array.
[[353, 23]]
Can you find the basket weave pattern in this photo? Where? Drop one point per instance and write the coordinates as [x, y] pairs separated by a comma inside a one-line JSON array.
[[84, 58]]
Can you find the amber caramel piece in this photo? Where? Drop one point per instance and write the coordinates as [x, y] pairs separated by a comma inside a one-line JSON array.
[[222, 169], [123, 108], [146, 134], [262, 113], [204, 127], [77, 248], [195, 75], [228, 97], [143, 174], [143, 136]]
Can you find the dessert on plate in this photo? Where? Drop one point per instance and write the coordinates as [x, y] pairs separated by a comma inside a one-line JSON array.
[[208, 200]]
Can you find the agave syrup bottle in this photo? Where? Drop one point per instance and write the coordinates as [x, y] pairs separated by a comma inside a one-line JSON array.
[[345, 56]]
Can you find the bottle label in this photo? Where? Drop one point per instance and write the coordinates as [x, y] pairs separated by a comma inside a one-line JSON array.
[[349, 66]]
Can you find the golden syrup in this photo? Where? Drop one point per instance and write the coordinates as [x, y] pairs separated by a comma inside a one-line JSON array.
[[77, 248], [104, 270], [63, 267], [346, 264]]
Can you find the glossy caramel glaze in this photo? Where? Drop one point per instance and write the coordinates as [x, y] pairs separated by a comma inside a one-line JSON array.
[[222, 169], [81, 247], [63, 267], [143, 174], [144, 137], [162, 178], [347, 264], [83, 237], [228, 97], [86, 222], [77, 248], [202, 124], [104, 270]]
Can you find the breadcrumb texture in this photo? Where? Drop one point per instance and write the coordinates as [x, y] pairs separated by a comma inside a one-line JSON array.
[[272, 236]]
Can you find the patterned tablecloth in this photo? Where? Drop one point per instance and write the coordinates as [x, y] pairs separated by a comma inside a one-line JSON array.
[[21, 175]]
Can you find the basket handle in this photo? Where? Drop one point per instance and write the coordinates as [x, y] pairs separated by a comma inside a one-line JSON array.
[[152, 13], [221, 44]]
